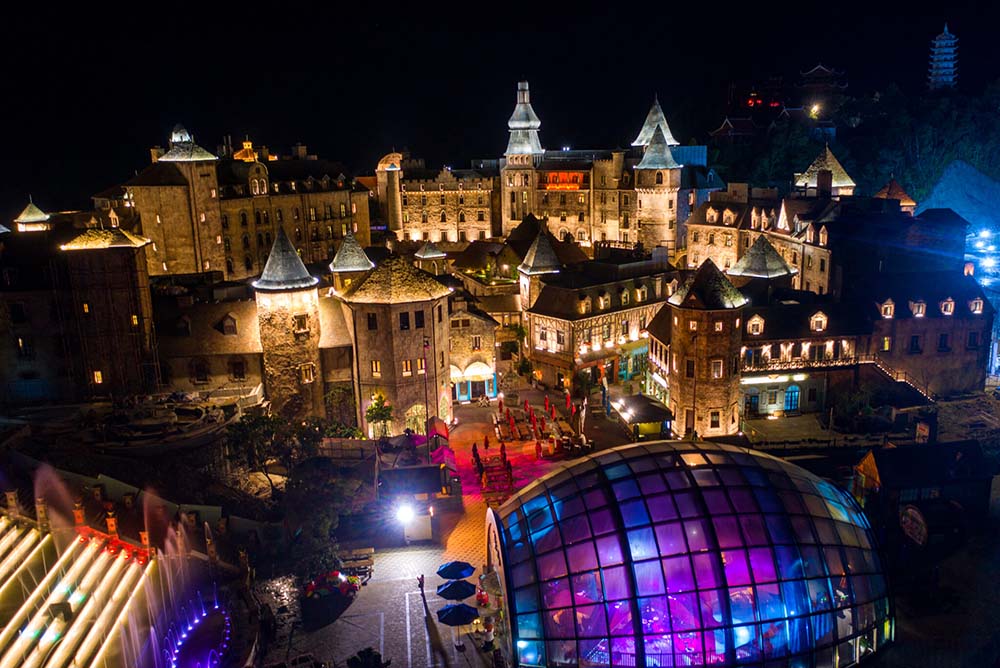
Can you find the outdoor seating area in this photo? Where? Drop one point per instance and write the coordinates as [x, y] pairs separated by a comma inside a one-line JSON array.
[[359, 562]]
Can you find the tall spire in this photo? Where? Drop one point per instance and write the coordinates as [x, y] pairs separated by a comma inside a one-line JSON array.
[[658, 155], [541, 257], [943, 70], [654, 119], [284, 270], [523, 125], [350, 257]]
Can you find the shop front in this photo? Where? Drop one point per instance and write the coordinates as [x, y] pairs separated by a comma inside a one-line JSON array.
[[476, 380], [778, 395]]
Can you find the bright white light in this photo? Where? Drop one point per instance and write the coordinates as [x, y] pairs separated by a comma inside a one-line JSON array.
[[989, 262], [984, 234], [521, 644], [405, 514], [991, 247], [979, 244]]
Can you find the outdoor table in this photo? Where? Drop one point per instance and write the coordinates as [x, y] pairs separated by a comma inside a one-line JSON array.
[[564, 427]]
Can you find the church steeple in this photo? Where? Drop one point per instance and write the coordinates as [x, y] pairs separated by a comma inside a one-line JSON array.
[[943, 71], [654, 119], [523, 125]]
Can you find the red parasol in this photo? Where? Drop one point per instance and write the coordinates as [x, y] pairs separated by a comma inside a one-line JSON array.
[[567, 401], [546, 402]]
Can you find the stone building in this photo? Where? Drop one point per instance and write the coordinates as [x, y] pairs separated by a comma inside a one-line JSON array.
[[472, 350], [810, 182], [398, 317], [203, 213], [703, 373]]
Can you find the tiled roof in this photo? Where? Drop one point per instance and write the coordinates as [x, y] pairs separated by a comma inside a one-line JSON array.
[[761, 261], [32, 214], [657, 155], [284, 269], [429, 252], [709, 289], [654, 119], [351, 256], [825, 160], [541, 257], [661, 325], [104, 238], [893, 190], [396, 281]]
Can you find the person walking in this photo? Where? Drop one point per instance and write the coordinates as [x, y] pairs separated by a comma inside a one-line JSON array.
[[510, 473], [486, 442], [475, 451], [538, 449]]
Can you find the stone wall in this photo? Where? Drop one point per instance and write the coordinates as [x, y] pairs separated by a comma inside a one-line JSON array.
[[287, 352]]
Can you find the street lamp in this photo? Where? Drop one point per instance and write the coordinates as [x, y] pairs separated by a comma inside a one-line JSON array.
[[405, 514]]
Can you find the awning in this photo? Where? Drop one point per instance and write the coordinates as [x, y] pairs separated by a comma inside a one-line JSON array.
[[456, 373], [478, 371]]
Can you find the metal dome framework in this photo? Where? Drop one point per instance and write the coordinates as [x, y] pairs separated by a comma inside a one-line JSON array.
[[680, 554]]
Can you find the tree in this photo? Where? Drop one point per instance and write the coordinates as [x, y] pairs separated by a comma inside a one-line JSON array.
[[367, 658], [379, 415], [340, 405], [254, 440]]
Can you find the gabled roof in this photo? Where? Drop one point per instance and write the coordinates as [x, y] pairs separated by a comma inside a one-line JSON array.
[[661, 325], [429, 252], [541, 257], [183, 148], [94, 239], [284, 269], [396, 281], [761, 261], [893, 190], [158, 174], [708, 289], [657, 155], [654, 119], [825, 160], [32, 214], [4, 230], [351, 256]]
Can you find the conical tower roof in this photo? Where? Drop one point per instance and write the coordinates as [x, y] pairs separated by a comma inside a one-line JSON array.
[[32, 214], [523, 125], [658, 155], [761, 261], [429, 251], [654, 119], [350, 257], [396, 281], [708, 289], [825, 160], [183, 148], [893, 190], [541, 257], [284, 269]]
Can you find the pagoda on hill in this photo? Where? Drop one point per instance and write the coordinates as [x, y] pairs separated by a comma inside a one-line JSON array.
[[944, 61]]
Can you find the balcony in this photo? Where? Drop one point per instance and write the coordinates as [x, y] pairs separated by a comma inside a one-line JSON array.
[[804, 363]]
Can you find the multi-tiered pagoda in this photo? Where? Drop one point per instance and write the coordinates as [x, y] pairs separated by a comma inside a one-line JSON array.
[[944, 61]]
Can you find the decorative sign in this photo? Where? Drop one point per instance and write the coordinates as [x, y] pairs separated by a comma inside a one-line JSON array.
[[923, 434], [913, 524]]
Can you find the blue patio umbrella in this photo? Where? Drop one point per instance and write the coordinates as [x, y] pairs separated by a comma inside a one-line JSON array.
[[456, 570], [457, 614], [456, 590]]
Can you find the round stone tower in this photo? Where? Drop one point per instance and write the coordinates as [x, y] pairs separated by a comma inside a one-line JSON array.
[[704, 360], [657, 181], [288, 318]]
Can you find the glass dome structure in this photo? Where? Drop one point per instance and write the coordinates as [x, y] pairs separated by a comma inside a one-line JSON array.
[[680, 554]]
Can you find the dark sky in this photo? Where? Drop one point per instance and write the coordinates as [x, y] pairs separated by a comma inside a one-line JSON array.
[[87, 94]]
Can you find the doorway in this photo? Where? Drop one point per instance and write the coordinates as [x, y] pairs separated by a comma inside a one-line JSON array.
[[688, 421], [751, 403], [792, 399]]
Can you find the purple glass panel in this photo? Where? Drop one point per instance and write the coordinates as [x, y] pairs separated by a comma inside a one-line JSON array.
[[571, 505], [659, 650], [552, 565], [670, 538], [522, 574], [619, 618], [803, 529], [687, 649], [712, 614], [634, 513], [616, 584], [762, 564], [743, 499], [793, 503], [769, 604], [678, 573], [651, 484], [556, 593], [705, 478], [655, 616], [677, 480], [661, 508], [595, 498], [648, 578], [601, 522], [687, 504], [731, 477], [587, 588], [768, 500], [735, 563], [684, 612], [582, 557], [641, 543], [753, 529], [595, 653], [591, 621], [727, 531], [707, 570], [546, 539], [697, 534], [626, 489], [715, 647], [575, 529], [609, 550], [559, 623], [716, 502], [780, 529]]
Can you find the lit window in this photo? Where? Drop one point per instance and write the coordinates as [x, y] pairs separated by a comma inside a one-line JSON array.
[[948, 306], [301, 323], [886, 344], [407, 368], [976, 306], [918, 309], [818, 322], [693, 325], [98, 378], [624, 297], [477, 342], [307, 372], [135, 320], [716, 368], [888, 308], [376, 368], [86, 307], [718, 326], [421, 365], [714, 419]]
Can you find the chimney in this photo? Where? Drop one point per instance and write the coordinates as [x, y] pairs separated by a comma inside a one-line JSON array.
[[824, 183], [156, 153]]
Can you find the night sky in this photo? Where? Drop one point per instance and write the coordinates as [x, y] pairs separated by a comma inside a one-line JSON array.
[[87, 95]]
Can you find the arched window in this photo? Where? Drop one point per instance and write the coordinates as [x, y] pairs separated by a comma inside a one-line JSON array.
[[443, 218], [229, 266], [248, 263], [254, 187], [792, 398], [225, 222], [461, 216], [243, 218], [256, 217], [267, 239], [659, 178], [260, 240], [246, 241]]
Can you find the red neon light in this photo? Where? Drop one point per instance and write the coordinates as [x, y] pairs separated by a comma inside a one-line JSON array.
[[562, 186]]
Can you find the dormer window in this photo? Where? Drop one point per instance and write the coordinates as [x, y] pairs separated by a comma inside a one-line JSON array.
[[624, 297], [919, 309], [948, 306], [822, 236], [755, 325], [585, 304], [640, 294], [976, 305], [754, 218], [811, 235], [728, 217], [229, 325], [888, 309], [602, 302], [818, 322], [711, 215]]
